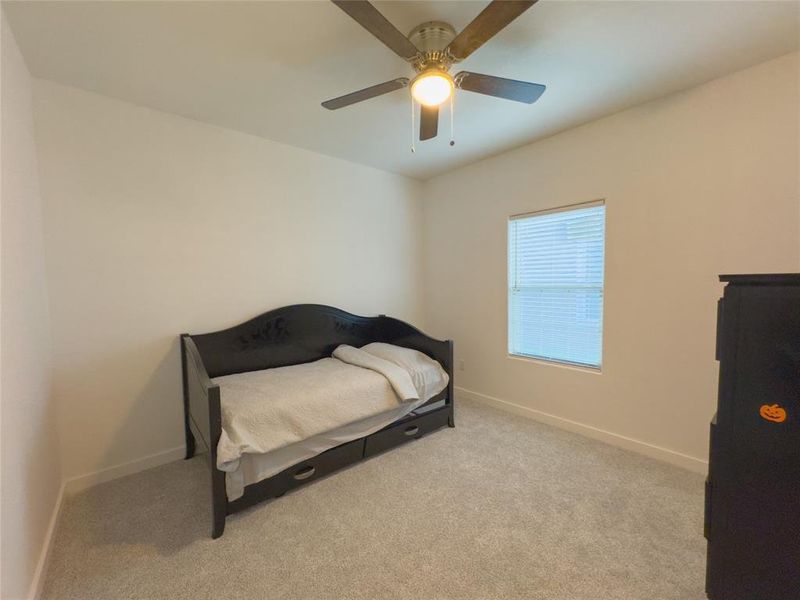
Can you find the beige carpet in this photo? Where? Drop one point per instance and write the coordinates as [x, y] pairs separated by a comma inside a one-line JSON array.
[[500, 507]]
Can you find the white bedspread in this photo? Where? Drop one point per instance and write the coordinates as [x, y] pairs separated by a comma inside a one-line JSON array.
[[277, 410], [266, 410]]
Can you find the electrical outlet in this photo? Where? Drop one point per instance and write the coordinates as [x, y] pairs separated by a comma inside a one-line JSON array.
[[460, 365]]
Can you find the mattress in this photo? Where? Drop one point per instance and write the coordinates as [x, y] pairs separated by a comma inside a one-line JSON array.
[[278, 417]]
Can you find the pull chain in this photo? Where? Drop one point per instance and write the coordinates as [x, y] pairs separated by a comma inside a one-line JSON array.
[[413, 150], [452, 126]]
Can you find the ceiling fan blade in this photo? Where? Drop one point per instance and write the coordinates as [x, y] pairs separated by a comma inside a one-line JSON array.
[[509, 89], [366, 93], [486, 25], [428, 122], [373, 21]]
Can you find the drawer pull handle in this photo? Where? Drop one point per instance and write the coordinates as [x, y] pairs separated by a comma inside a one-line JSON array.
[[304, 473], [413, 430]]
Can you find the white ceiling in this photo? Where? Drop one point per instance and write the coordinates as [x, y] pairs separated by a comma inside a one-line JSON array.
[[264, 67]]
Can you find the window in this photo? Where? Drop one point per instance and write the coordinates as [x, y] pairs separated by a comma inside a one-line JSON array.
[[555, 284]]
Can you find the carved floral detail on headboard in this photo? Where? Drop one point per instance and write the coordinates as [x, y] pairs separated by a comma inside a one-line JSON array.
[[274, 331], [347, 326]]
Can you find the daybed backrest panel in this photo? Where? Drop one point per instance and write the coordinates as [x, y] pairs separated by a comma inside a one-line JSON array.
[[304, 333], [286, 336]]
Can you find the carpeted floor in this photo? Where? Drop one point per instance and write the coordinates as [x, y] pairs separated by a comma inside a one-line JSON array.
[[500, 507]]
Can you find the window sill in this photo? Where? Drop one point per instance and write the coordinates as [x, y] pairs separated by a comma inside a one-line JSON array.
[[556, 363]]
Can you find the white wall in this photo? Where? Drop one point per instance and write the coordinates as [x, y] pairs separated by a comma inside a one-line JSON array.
[[157, 225], [31, 470], [696, 184]]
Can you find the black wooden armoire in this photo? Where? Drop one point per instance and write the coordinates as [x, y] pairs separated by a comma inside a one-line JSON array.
[[752, 520]]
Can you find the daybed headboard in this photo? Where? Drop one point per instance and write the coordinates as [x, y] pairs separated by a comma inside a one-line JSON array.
[[303, 333]]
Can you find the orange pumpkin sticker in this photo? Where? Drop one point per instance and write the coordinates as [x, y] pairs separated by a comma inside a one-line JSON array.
[[773, 412]]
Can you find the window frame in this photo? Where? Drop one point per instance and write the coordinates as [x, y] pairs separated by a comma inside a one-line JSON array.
[[589, 368]]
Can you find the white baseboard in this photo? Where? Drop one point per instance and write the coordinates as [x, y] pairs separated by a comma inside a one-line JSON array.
[[82, 482], [685, 461], [44, 556]]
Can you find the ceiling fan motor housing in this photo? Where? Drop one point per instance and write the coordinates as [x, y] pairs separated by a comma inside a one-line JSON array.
[[432, 37]]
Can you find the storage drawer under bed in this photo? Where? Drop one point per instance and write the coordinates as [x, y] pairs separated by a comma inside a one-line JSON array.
[[300, 474], [410, 427], [407, 429]]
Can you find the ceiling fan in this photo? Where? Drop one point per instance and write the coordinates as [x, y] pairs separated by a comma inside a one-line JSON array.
[[432, 48]]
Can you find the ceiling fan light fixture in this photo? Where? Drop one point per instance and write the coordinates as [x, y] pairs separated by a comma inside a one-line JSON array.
[[431, 49], [432, 88]]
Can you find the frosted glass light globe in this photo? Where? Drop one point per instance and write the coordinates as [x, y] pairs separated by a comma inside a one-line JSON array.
[[432, 89]]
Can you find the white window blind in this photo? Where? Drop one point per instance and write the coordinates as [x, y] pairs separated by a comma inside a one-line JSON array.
[[555, 295]]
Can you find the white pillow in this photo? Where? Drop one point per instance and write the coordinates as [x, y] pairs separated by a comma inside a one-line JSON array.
[[427, 374]]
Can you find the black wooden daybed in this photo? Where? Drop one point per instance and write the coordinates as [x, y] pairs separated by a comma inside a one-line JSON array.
[[293, 335]]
